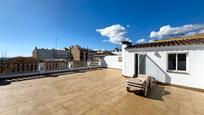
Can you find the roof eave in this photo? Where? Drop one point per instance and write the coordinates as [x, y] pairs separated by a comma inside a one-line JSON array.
[[168, 48]]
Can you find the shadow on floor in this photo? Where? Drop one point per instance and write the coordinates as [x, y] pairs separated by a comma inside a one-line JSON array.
[[156, 93], [24, 78], [64, 73], [8, 81], [4, 82], [72, 72]]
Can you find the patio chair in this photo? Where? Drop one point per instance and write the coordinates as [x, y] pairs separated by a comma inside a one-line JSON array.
[[141, 83]]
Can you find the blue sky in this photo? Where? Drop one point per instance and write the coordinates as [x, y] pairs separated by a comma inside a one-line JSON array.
[[25, 24]]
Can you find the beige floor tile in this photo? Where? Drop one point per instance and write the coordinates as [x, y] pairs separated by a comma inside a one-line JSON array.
[[98, 92]]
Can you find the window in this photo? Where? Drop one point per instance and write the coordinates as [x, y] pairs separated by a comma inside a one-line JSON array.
[[177, 62], [119, 59], [181, 62], [172, 61]]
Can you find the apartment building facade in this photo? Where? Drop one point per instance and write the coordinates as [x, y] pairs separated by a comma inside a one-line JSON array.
[[43, 54], [81, 54]]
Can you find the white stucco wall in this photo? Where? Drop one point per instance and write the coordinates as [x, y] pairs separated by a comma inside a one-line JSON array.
[[129, 64], [156, 65], [128, 68], [112, 62]]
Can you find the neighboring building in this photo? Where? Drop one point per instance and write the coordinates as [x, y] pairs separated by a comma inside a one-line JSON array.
[[42, 54], [4, 59], [91, 54], [175, 61], [81, 54], [113, 61], [18, 65], [118, 53], [109, 59], [117, 50], [105, 52], [99, 56]]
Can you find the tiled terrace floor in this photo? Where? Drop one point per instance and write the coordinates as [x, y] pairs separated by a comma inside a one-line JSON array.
[[93, 93]]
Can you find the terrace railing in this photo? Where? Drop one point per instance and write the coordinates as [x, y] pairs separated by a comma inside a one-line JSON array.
[[30, 69]]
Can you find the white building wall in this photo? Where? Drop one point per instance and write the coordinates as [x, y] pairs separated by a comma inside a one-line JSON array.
[[156, 65], [112, 62], [129, 64], [123, 58], [195, 78]]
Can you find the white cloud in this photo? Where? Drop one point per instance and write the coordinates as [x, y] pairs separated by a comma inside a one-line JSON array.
[[115, 33], [191, 33], [201, 31], [167, 31], [141, 41], [95, 49], [151, 40]]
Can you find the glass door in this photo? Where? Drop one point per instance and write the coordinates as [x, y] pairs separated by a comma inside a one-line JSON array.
[[142, 64]]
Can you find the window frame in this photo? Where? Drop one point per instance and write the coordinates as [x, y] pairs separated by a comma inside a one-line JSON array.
[[120, 59], [176, 70]]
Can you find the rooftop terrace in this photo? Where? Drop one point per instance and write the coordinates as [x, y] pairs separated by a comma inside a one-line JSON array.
[[93, 93]]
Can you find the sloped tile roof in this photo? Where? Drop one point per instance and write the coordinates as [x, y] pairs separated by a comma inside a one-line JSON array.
[[192, 40]]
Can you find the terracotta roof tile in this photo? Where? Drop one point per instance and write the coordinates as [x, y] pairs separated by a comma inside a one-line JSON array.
[[171, 42]]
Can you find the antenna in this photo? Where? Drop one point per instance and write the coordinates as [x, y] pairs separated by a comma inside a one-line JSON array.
[[56, 42], [5, 53]]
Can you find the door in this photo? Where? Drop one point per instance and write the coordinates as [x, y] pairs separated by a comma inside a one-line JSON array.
[[136, 64], [142, 64]]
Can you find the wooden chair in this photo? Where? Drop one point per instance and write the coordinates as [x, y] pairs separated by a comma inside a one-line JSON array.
[[141, 83]]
